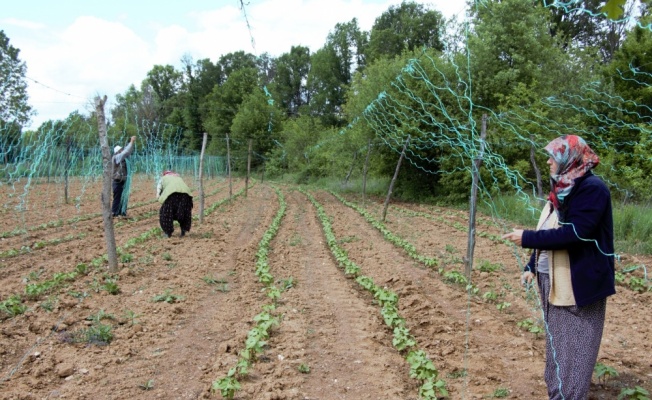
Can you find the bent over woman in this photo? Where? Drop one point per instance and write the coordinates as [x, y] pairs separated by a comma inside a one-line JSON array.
[[573, 260], [176, 199]]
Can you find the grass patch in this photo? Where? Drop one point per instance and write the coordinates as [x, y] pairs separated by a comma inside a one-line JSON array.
[[632, 223], [98, 334], [167, 297]]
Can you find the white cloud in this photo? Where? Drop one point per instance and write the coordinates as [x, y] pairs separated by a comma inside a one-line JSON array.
[[219, 32], [21, 23], [170, 43], [101, 53], [90, 57], [277, 25]]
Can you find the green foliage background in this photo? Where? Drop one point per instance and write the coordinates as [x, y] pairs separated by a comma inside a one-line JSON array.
[[535, 70]]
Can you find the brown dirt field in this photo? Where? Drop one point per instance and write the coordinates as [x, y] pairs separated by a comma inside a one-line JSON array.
[[328, 322]]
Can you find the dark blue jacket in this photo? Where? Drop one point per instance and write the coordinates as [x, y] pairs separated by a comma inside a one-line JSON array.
[[586, 232]]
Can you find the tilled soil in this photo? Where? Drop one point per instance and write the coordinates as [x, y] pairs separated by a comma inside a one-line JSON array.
[[186, 304]]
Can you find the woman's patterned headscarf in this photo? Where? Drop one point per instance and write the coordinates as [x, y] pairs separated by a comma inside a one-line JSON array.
[[168, 172], [575, 158]]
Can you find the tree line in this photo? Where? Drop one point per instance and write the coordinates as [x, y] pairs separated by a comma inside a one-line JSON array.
[[537, 70]]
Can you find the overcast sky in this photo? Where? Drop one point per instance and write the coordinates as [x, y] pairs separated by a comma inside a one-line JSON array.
[[77, 49]]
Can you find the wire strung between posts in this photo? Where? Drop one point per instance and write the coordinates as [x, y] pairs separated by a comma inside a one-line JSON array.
[[429, 100]]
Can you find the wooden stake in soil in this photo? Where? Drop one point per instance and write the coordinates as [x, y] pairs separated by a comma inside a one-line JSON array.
[[228, 166], [248, 167], [348, 176], [391, 185], [66, 168], [201, 179], [364, 173], [109, 234], [470, 247]]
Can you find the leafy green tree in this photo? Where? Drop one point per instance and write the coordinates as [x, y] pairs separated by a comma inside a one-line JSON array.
[[10, 142], [512, 45], [259, 120], [625, 112], [200, 79], [290, 79], [133, 106], [409, 26], [267, 67], [223, 102], [62, 148], [165, 82], [232, 62], [417, 94], [366, 89], [298, 137], [331, 71], [631, 70], [325, 86], [583, 24], [349, 43], [315, 152], [208, 75], [13, 88], [82, 129]]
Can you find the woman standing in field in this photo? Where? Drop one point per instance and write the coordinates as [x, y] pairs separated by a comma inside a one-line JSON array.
[[573, 262], [176, 199]]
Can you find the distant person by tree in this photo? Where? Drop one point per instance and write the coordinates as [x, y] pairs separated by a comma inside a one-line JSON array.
[[176, 199], [120, 174]]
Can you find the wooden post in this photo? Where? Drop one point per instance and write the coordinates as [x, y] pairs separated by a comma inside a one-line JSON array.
[[348, 176], [248, 168], [364, 173], [66, 167], [201, 179], [228, 166], [533, 160], [474, 194], [391, 185], [109, 234]]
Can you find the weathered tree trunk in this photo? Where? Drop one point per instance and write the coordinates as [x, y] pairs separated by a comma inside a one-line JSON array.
[[391, 185], [364, 174], [201, 179], [228, 166], [248, 168], [109, 234], [470, 246], [348, 176]]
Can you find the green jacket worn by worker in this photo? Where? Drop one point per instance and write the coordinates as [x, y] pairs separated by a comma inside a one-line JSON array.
[[169, 184]]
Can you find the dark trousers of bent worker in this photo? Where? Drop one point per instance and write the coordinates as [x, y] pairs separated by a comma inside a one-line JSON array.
[[177, 207], [116, 207]]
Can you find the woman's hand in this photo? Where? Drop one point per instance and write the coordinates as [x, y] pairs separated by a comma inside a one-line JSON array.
[[514, 236], [526, 278]]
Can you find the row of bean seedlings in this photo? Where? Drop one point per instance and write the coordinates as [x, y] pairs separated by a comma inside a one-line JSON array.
[[421, 367], [265, 320]]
